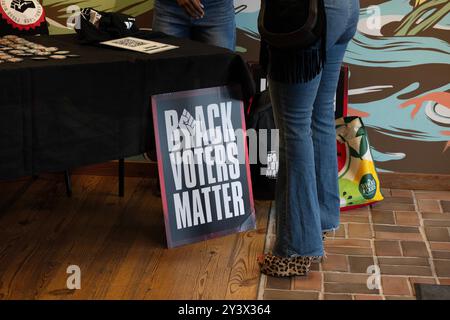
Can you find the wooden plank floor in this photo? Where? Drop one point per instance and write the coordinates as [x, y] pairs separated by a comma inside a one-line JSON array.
[[119, 244]]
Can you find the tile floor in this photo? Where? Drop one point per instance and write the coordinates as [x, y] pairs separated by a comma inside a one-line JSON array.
[[407, 236]]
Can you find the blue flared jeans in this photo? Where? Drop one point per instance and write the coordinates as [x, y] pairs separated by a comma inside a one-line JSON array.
[[217, 27], [307, 195]]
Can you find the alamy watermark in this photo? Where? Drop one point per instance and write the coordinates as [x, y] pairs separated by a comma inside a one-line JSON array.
[[374, 280], [74, 279]]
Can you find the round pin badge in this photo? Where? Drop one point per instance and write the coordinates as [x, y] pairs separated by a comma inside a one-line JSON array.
[[16, 51], [58, 57], [22, 15], [15, 60], [62, 52], [42, 53]]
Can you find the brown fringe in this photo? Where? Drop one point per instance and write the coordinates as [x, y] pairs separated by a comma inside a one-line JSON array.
[[296, 65]]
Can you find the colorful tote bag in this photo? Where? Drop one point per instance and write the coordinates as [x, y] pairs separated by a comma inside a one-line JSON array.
[[358, 180]]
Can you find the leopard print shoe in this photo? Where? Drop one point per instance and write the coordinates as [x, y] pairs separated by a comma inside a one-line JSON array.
[[285, 267]]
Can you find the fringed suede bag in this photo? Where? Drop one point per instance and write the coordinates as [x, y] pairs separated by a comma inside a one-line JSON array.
[[293, 39]]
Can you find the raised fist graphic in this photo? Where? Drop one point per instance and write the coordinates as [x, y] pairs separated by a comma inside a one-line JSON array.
[[187, 122], [22, 5]]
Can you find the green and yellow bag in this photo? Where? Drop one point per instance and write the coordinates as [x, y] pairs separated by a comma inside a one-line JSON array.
[[358, 180]]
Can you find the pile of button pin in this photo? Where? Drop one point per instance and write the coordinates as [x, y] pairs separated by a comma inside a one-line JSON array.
[[14, 49]]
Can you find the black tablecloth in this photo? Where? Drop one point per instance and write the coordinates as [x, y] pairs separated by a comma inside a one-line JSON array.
[[61, 114]]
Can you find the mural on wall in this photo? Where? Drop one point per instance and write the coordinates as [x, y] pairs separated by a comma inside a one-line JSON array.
[[399, 62], [400, 82]]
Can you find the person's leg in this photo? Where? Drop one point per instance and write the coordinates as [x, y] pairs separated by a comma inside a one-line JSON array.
[[171, 19], [218, 26], [324, 139], [323, 121], [298, 227]]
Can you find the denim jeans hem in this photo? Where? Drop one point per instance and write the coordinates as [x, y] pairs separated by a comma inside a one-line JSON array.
[[332, 229], [293, 254]]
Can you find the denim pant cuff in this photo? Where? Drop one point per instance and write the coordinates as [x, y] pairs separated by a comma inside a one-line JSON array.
[[292, 254], [332, 229]]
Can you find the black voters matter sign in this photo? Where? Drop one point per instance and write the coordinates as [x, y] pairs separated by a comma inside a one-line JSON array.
[[203, 164]]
